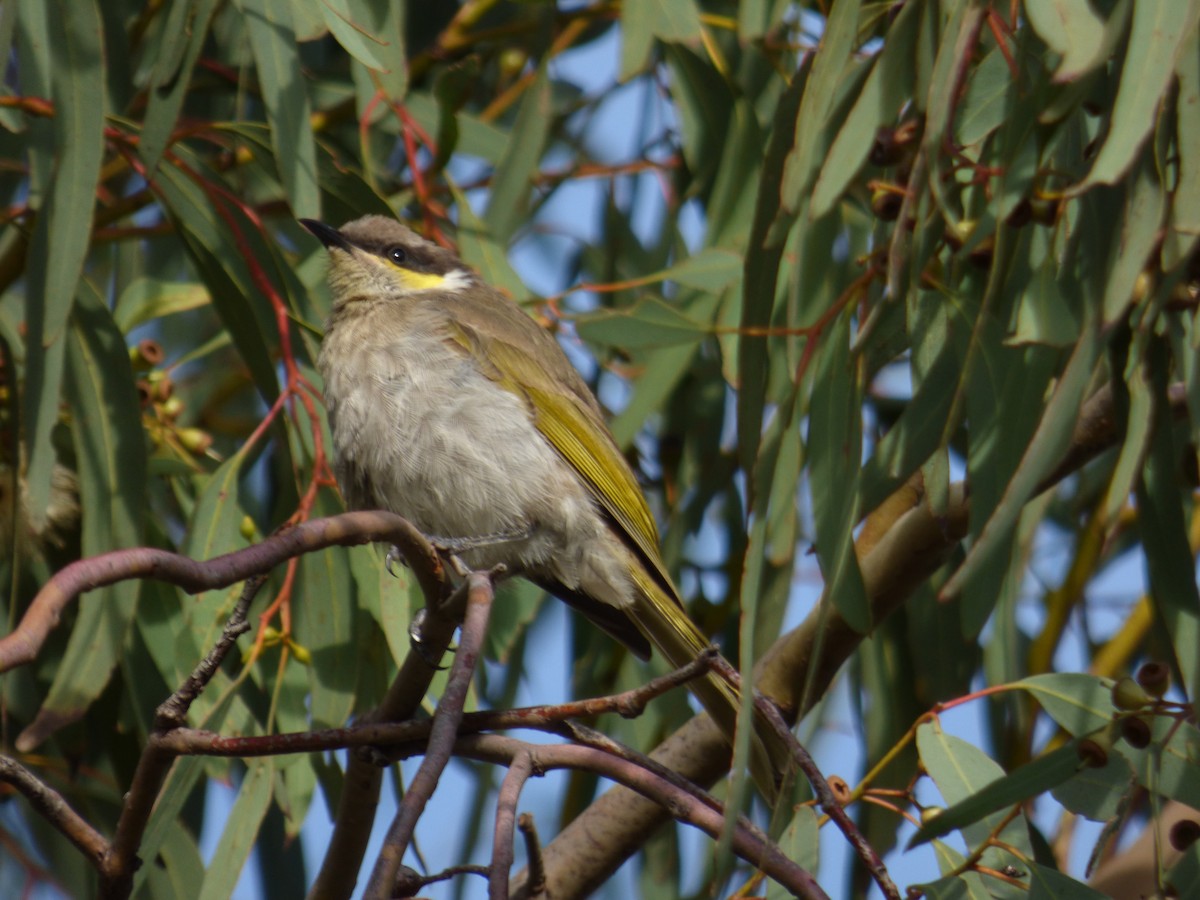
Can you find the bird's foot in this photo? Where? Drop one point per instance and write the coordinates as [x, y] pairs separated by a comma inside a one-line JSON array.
[[457, 545]]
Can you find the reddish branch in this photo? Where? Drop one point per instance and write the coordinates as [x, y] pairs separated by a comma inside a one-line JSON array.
[[197, 742], [441, 738], [23, 644], [748, 842]]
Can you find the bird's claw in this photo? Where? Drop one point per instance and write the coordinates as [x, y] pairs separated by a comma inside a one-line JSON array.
[[394, 555], [418, 645]]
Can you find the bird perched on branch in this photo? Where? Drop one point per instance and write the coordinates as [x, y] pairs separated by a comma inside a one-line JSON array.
[[452, 408]]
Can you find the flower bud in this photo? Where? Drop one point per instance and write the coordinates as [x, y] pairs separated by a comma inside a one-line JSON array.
[[1128, 694], [1155, 678]]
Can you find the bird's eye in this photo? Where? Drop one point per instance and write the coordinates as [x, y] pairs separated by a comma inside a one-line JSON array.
[[398, 255]]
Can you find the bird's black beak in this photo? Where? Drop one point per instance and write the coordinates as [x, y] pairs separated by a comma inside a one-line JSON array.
[[326, 234]]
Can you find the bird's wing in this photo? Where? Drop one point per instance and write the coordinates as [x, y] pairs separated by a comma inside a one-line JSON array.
[[575, 429]]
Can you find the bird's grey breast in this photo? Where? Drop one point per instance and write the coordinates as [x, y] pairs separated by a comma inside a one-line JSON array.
[[420, 430]]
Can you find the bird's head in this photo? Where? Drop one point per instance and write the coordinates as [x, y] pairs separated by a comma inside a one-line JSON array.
[[376, 257]]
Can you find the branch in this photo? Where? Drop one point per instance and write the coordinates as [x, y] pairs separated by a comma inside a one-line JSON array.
[[355, 817], [121, 860], [441, 738], [24, 643], [829, 802], [518, 773], [373, 734], [54, 809], [749, 843]]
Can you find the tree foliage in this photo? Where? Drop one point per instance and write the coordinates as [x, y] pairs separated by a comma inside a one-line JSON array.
[[912, 285]]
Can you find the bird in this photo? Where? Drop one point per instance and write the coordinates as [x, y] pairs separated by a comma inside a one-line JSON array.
[[450, 406]]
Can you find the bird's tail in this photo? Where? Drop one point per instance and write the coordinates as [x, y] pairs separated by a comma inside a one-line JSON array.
[[670, 629]]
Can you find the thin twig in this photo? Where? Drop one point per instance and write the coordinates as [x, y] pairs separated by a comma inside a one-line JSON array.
[[506, 817], [410, 881], [55, 810], [821, 788], [533, 853], [121, 860], [355, 817], [441, 738], [370, 732], [172, 713]]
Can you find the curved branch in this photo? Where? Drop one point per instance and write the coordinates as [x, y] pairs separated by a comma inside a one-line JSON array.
[[748, 842], [518, 773], [24, 643]]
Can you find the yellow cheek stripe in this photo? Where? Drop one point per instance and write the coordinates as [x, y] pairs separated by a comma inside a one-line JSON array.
[[419, 281]]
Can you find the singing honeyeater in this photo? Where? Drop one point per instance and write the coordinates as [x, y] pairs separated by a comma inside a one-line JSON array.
[[452, 408]]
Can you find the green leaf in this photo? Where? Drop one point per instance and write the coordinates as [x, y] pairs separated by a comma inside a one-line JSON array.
[[475, 136], [352, 28], [1141, 223], [1050, 884], [1045, 449], [713, 269], [800, 842], [879, 102], [145, 299], [705, 105], [222, 257], [958, 39], [482, 252], [994, 795], [1167, 765], [1078, 702], [182, 861], [182, 779], [172, 75], [1139, 427], [648, 322], [111, 454], [1170, 562], [1045, 313], [985, 104], [834, 448], [761, 272], [1073, 30], [1183, 230], [915, 435], [1098, 793], [956, 887], [324, 614], [241, 830], [837, 42], [512, 181], [62, 232], [662, 373], [962, 773], [641, 23], [269, 28], [1158, 32], [214, 529]]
